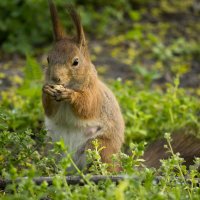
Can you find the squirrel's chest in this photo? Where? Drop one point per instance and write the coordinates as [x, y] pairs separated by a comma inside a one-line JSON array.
[[74, 131]]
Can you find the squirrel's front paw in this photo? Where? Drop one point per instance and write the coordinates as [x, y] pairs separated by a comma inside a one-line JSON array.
[[58, 92], [49, 89], [63, 94]]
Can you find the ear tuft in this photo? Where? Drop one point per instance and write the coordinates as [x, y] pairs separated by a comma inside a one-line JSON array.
[[77, 22], [58, 30]]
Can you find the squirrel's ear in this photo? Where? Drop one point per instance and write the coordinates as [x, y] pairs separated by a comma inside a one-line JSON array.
[[58, 30], [80, 38]]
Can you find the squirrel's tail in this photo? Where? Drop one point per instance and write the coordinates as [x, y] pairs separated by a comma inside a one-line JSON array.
[[187, 145]]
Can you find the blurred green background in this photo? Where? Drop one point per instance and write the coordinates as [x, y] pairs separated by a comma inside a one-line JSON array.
[[146, 40], [25, 24]]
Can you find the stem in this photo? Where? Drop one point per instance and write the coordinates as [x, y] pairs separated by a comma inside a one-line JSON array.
[[179, 168], [79, 171], [171, 115]]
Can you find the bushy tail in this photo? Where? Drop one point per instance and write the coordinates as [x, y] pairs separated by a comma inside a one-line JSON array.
[[187, 145]]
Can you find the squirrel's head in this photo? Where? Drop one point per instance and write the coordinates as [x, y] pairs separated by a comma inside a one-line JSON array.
[[69, 61]]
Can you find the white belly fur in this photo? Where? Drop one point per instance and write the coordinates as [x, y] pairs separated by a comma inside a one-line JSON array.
[[65, 125]]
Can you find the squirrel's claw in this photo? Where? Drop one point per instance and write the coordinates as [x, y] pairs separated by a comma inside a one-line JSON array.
[[49, 90], [63, 95]]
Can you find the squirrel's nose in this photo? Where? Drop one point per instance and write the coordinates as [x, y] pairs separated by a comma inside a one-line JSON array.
[[56, 79]]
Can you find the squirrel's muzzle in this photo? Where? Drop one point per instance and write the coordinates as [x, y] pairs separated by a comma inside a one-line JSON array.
[[56, 79]]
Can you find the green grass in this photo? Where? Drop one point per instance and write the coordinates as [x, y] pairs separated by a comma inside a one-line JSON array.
[[148, 113]]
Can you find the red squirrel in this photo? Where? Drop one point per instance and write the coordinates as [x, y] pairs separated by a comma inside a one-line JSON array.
[[79, 107]]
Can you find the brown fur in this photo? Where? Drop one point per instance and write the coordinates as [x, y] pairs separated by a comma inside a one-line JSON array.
[[187, 145], [80, 38], [50, 106], [95, 110], [58, 30]]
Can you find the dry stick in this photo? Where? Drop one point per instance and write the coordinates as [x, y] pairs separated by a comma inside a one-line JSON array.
[[73, 180]]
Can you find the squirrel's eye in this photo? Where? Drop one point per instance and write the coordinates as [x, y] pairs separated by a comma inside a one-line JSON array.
[[75, 62]]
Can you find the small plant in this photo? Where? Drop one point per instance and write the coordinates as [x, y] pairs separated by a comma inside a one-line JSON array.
[[94, 158], [175, 173]]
